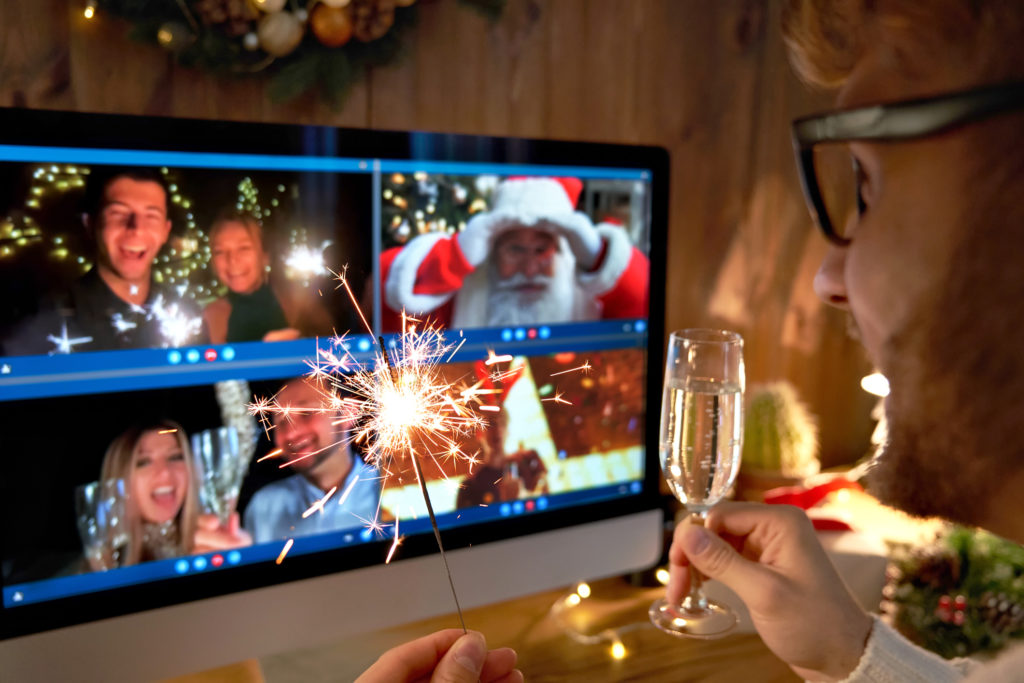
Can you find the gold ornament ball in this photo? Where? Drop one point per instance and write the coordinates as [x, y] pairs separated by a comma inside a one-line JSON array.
[[331, 25], [269, 6], [279, 33]]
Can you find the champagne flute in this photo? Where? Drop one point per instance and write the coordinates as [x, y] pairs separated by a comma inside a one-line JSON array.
[[220, 469], [701, 435], [102, 524]]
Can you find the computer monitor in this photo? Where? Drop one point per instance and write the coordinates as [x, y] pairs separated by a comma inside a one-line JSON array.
[[161, 277]]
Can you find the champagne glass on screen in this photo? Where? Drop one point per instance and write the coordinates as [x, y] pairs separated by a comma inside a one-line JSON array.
[[701, 435], [101, 521], [220, 469]]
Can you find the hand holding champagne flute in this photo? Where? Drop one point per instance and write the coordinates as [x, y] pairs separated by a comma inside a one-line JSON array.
[[701, 437]]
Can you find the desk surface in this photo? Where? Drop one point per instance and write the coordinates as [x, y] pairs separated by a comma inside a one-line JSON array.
[[547, 651]]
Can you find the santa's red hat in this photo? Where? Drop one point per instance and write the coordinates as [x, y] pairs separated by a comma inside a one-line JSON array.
[[526, 201]]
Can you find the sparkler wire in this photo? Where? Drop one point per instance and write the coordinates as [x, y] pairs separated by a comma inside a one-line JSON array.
[[426, 499]]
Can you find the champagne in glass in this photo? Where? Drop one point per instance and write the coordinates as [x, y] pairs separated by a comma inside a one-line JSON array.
[[220, 469], [701, 436], [102, 524]]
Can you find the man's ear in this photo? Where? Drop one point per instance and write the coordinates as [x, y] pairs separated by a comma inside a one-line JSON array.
[[167, 232]]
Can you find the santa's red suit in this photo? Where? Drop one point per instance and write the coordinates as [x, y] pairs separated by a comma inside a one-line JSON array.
[[444, 278]]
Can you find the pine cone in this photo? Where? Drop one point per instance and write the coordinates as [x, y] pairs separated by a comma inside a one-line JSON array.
[[235, 17], [372, 18], [1000, 613], [938, 570]]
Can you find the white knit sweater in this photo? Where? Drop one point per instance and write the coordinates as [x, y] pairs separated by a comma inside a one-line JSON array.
[[891, 658]]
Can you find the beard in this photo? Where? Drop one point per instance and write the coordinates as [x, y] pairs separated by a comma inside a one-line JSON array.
[[508, 304], [956, 374]]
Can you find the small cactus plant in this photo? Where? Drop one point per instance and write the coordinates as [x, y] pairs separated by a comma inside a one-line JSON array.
[[780, 435]]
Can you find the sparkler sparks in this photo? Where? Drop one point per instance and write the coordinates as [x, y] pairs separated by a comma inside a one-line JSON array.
[[284, 551], [319, 505], [398, 408], [272, 454], [63, 343], [493, 358], [557, 398], [348, 490], [585, 368], [176, 326], [305, 262], [394, 545]]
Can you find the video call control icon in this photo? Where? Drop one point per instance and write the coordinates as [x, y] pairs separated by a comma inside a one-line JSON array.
[[175, 357]]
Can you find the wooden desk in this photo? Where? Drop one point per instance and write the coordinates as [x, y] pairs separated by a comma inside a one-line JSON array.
[[548, 653]]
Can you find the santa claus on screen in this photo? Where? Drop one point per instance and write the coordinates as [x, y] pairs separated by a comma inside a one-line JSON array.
[[531, 259]]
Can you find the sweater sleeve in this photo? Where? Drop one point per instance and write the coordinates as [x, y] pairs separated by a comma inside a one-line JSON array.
[[891, 658]]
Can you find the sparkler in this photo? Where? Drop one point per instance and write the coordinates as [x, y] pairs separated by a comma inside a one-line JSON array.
[[63, 343], [305, 262], [397, 402], [174, 322], [176, 326]]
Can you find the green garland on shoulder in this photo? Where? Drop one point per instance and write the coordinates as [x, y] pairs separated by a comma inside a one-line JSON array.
[[959, 595], [221, 36]]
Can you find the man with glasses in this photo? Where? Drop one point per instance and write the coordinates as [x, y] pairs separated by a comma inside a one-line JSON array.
[[917, 181]]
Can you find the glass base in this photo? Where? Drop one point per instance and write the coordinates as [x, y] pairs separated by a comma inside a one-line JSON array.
[[712, 622]]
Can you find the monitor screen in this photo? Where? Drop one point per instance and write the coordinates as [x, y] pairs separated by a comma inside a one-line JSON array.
[[245, 367]]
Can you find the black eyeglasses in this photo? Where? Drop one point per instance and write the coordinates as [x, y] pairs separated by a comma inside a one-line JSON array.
[[829, 175]]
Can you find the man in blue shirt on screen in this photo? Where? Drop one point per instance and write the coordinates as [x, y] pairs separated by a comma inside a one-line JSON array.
[[315, 443]]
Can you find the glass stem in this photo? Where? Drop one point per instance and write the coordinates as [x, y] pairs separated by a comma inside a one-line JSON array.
[[695, 601]]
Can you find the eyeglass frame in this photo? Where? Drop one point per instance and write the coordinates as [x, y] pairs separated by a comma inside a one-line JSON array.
[[894, 121]]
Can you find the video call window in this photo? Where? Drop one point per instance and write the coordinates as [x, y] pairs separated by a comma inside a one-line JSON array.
[[96, 257], [490, 251], [127, 482]]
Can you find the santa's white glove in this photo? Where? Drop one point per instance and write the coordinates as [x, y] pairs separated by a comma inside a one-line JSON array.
[[476, 239], [583, 239]]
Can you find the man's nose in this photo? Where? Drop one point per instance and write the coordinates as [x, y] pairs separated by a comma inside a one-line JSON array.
[[530, 266], [284, 430], [133, 221], [830, 280]]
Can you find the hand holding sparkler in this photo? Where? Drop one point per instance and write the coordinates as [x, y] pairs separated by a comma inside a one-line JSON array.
[[448, 655]]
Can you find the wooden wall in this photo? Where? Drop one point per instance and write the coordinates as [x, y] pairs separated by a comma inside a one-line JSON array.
[[707, 80]]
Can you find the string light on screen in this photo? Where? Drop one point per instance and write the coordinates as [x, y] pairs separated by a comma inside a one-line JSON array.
[[90, 9]]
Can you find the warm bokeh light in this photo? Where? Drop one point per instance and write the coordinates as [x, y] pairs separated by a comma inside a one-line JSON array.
[[662, 576], [618, 650], [583, 590], [876, 384]]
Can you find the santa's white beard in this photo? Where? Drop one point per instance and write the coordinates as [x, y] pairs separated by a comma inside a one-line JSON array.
[[509, 305], [486, 301]]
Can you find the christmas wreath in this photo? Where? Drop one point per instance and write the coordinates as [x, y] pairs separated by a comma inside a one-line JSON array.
[[301, 44], [961, 594]]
